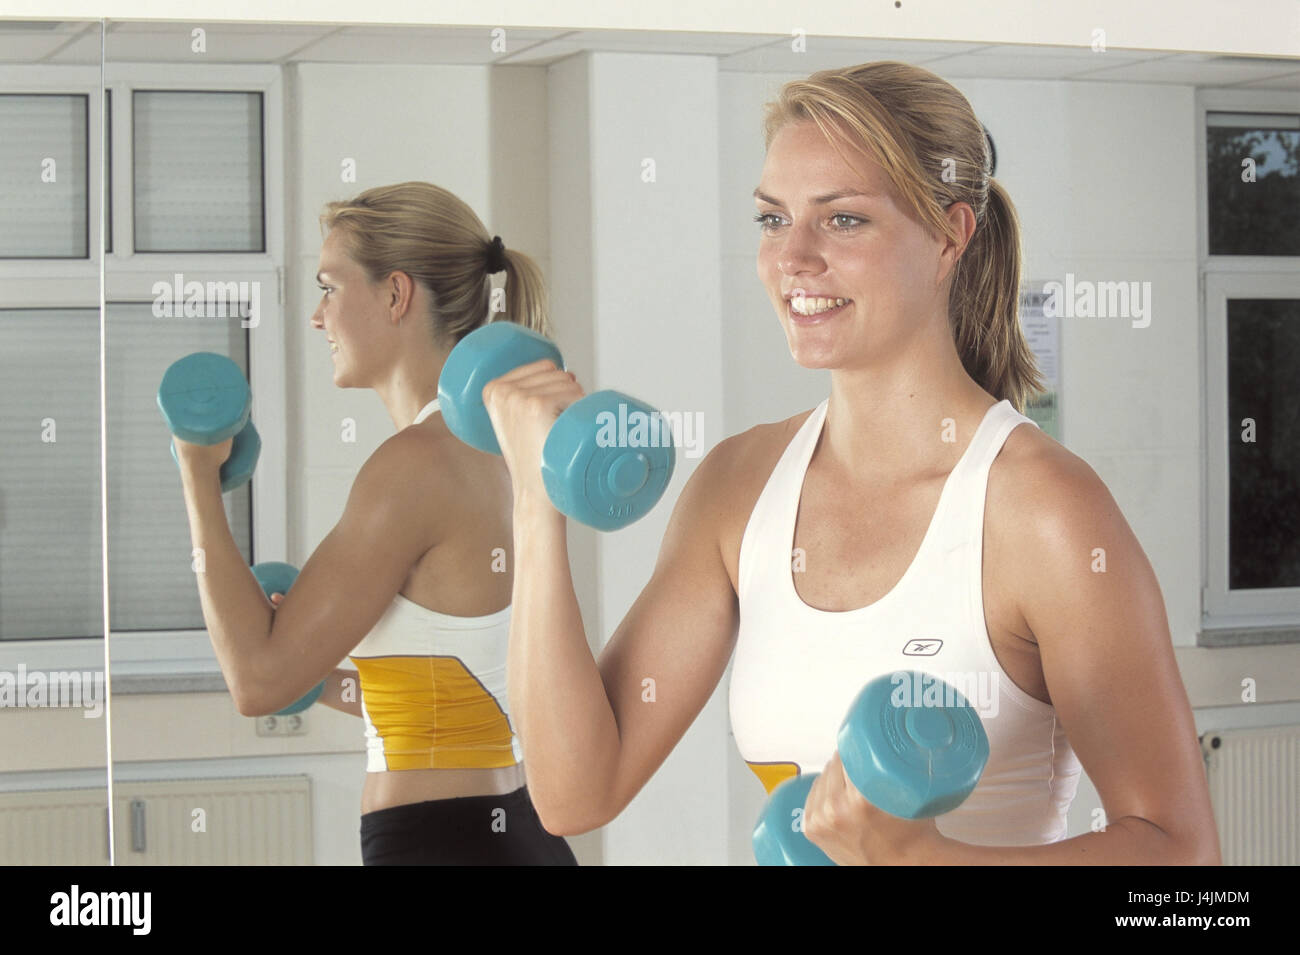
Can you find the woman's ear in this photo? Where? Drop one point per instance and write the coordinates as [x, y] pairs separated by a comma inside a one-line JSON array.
[[962, 218]]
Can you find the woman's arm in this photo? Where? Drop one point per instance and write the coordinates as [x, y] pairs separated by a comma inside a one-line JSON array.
[[1092, 603], [272, 658], [594, 734], [342, 687]]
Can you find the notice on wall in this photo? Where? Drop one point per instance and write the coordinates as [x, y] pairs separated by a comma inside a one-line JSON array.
[[1043, 333]]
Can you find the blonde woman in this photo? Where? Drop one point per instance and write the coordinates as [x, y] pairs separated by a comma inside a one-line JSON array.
[[923, 504], [409, 583]]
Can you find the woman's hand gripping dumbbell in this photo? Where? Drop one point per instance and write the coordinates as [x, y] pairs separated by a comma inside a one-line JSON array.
[[205, 400], [908, 758], [594, 468]]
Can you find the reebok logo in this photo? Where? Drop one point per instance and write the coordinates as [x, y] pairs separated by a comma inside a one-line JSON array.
[[922, 648]]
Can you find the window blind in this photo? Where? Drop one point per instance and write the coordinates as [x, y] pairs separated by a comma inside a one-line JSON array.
[[198, 171], [43, 176], [50, 566]]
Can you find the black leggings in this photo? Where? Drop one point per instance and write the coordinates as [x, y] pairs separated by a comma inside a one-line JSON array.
[[470, 830]]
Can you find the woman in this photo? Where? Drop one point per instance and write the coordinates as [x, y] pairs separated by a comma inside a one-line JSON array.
[[919, 508], [404, 273]]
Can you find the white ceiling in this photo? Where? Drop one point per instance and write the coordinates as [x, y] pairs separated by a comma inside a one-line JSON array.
[[64, 42]]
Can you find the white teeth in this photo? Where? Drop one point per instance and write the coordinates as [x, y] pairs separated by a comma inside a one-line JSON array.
[[334, 346], [802, 305]]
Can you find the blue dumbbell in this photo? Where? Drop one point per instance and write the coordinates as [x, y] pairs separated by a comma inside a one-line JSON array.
[[204, 398], [592, 470], [911, 760], [277, 577]]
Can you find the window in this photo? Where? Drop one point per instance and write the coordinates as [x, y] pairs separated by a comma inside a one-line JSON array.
[[1250, 240], [192, 156], [1252, 183], [44, 176], [51, 570], [50, 565], [198, 171]]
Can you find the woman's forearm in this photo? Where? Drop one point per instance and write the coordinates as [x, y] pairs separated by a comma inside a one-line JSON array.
[[1126, 841], [235, 608], [557, 698]]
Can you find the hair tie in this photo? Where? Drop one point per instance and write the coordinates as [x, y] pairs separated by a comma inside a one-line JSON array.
[[496, 255]]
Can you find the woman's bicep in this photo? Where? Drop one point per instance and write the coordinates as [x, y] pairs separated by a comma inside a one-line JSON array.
[[668, 655], [1095, 608]]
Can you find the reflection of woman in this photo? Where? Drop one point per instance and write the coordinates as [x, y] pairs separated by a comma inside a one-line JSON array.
[[933, 528], [404, 271]]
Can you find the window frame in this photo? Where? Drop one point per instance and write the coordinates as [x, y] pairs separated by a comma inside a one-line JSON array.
[[123, 276], [1244, 616]]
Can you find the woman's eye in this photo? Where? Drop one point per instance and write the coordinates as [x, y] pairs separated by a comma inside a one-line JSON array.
[[766, 219], [845, 221]]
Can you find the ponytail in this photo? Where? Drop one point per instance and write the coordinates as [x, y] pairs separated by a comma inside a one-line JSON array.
[[984, 305], [525, 293]]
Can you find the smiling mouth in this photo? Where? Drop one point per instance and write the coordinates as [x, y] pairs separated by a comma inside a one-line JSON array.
[[809, 309]]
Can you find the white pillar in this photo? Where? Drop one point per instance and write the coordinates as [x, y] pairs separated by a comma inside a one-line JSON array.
[[635, 278]]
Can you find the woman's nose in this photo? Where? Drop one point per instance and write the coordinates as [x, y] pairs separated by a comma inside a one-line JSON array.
[[799, 251]]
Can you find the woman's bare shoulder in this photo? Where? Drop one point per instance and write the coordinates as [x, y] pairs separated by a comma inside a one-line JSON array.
[[1040, 490], [733, 476], [745, 460], [440, 480]]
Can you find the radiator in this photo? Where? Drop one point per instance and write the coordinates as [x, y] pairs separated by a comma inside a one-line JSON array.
[[54, 827], [1254, 777], [264, 820]]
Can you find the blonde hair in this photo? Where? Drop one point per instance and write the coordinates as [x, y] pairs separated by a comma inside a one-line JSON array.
[[923, 133], [435, 238]]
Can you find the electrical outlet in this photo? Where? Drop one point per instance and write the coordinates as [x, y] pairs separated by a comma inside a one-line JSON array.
[[295, 725]]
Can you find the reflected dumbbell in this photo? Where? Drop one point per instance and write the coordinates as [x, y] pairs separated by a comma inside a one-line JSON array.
[[602, 483], [205, 399], [277, 577], [911, 760]]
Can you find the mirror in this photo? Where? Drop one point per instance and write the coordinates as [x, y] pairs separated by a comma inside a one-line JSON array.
[[623, 164], [53, 699]]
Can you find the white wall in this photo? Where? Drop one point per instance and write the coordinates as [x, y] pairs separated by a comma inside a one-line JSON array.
[[651, 132], [398, 123]]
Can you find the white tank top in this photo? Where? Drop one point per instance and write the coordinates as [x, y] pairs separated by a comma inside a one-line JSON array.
[[797, 668], [433, 687]]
